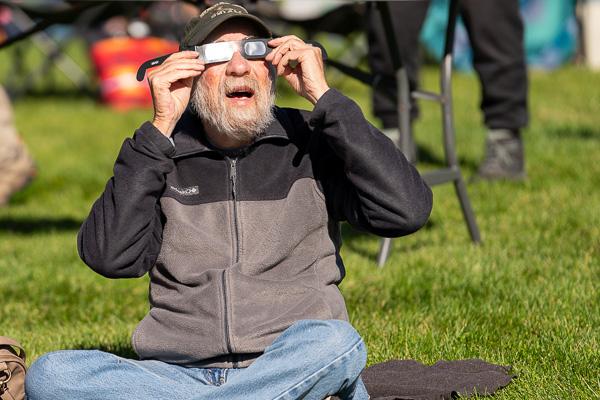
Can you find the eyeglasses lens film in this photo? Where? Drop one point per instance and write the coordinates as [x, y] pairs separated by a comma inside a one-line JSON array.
[[215, 52], [255, 48]]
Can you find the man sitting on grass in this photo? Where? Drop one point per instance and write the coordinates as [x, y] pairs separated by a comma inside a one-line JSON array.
[[232, 206]]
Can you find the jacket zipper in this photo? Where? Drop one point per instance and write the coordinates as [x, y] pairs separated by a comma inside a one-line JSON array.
[[225, 316], [233, 178]]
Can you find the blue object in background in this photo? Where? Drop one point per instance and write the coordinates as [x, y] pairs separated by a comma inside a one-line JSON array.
[[550, 33]]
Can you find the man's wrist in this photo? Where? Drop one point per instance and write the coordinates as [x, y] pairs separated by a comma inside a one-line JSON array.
[[314, 98], [166, 128]]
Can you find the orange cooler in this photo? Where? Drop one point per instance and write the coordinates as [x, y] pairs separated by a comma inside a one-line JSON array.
[[117, 60]]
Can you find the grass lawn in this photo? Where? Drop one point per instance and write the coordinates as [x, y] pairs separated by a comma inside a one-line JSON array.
[[527, 297]]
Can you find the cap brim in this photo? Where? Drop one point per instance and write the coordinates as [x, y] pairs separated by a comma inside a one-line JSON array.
[[200, 36]]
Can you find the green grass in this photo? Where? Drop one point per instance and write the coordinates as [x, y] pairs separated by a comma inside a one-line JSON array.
[[527, 297]]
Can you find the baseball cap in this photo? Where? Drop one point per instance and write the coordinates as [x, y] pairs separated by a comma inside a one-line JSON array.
[[198, 28]]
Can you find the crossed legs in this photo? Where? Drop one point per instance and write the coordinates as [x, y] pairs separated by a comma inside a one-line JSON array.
[[310, 360]]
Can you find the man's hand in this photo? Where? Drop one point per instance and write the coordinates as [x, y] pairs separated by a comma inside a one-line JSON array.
[[301, 65], [171, 86]]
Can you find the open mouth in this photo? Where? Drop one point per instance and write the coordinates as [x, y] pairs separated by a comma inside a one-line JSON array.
[[240, 92]]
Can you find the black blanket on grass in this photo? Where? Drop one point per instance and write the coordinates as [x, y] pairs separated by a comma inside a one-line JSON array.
[[411, 380]]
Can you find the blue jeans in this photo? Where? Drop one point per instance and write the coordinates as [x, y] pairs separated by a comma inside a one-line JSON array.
[[310, 360]]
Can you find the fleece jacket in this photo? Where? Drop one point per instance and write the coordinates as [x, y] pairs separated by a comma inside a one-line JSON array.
[[240, 246]]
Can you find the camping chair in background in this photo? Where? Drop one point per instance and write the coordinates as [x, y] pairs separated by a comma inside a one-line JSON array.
[[451, 172], [349, 14], [31, 20], [78, 20], [118, 37]]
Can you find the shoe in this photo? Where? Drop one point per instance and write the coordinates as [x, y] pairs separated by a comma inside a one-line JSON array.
[[504, 156], [17, 169]]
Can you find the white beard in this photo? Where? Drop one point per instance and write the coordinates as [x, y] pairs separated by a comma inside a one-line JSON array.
[[243, 124]]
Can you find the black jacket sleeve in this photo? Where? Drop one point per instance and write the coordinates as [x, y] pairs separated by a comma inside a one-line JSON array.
[[370, 184], [122, 235]]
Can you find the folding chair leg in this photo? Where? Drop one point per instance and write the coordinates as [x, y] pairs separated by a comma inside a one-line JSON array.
[[450, 148], [407, 144], [465, 205], [384, 251]]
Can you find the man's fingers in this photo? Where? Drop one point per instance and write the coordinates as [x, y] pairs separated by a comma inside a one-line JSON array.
[[290, 60], [282, 39], [168, 77], [175, 58], [291, 43], [181, 60], [293, 57], [182, 54], [182, 64], [169, 63]]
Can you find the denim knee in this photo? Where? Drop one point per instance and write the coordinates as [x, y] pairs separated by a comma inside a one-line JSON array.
[[346, 341], [330, 351], [332, 339], [333, 331], [39, 380], [53, 373]]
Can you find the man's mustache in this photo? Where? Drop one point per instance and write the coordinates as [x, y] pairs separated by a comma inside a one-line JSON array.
[[235, 84]]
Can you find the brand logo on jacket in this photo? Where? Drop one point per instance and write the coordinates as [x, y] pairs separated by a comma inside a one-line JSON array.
[[188, 191]]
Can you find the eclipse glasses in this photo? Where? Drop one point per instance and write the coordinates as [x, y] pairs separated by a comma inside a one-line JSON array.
[[250, 49]]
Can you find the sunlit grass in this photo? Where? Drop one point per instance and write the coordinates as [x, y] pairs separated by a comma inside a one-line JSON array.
[[527, 297]]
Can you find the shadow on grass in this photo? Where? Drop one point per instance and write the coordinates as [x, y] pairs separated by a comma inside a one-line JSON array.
[[38, 224], [426, 156], [119, 349], [50, 93], [574, 132], [355, 240]]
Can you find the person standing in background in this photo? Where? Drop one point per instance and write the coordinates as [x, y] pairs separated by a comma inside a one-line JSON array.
[[495, 30]]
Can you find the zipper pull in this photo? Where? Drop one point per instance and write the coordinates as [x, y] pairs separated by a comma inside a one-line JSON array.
[[233, 175]]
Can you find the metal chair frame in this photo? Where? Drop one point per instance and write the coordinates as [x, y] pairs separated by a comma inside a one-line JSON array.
[[451, 172]]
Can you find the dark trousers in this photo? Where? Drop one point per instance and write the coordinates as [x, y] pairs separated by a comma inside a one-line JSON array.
[[495, 31]]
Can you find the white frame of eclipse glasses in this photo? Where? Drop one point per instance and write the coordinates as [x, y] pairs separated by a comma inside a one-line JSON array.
[[210, 53]]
